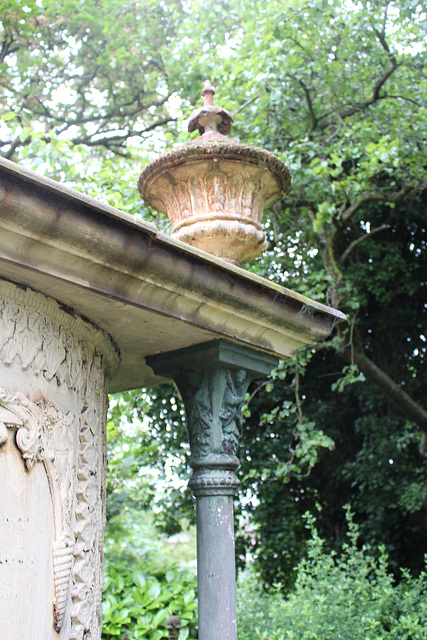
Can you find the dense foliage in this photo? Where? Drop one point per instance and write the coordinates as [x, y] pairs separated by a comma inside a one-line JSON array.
[[350, 596], [337, 89], [139, 597], [148, 576]]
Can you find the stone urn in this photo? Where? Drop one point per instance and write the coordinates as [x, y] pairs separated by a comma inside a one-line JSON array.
[[215, 189]]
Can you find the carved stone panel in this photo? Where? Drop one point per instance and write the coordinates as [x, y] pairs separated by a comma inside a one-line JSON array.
[[90, 511], [46, 435], [53, 368]]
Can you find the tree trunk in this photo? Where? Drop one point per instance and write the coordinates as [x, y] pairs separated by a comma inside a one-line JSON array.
[[393, 392]]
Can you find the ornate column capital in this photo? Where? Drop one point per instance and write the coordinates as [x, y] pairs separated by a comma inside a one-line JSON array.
[[213, 378]]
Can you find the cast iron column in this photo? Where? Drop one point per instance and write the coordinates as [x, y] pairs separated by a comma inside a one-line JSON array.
[[213, 378]]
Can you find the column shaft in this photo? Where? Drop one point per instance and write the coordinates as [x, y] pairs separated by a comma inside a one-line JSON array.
[[216, 568]]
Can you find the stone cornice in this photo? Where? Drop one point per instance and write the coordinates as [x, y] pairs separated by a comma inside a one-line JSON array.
[[148, 292]]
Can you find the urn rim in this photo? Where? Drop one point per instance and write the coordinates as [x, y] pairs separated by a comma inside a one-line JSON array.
[[220, 146]]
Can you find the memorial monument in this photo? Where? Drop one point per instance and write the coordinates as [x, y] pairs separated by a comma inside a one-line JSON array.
[[91, 301]]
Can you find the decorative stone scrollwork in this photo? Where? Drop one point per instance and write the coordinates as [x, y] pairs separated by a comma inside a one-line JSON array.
[[90, 511], [64, 356], [15, 413], [44, 434]]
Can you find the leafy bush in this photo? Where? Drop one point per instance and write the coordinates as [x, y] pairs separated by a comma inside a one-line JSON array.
[[143, 583], [350, 596], [139, 597]]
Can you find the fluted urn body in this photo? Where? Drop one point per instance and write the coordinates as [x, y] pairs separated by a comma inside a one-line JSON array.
[[215, 189]]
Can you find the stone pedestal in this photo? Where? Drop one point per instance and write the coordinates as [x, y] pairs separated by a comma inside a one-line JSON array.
[[53, 371], [213, 379]]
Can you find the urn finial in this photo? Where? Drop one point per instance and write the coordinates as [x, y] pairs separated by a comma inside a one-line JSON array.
[[208, 93], [210, 120], [214, 189]]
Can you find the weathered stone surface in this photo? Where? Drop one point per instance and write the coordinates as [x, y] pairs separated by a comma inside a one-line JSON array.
[[52, 465], [148, 291], [213, 379], [215, 189]]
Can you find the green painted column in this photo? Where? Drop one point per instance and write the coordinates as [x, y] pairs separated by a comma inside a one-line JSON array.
[[213, 378]]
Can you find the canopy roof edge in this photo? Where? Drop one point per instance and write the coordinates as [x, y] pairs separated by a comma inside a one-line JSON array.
[[149, 292]]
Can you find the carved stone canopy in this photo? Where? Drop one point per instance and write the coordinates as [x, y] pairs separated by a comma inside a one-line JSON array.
[[215, 189]]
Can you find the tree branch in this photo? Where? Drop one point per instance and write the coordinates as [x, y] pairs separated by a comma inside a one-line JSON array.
[[103, 117], [118, 139], [309, 104], [246, 104], [375, 197], [393, 391], [390, 95], [13, 147], [361, 106], [356, 242], [7, 49], [381, 37]]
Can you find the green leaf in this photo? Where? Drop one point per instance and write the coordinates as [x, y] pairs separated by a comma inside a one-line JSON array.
[[8, 116]]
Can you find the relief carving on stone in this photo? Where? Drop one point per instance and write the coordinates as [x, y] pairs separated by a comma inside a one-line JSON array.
[[195, 387], [46, 435], [236, 383], [90, 510], [213, 401], [37, 334], [236, 196]]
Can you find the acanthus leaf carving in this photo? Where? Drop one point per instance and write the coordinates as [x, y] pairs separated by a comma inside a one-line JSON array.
[[7, 419], [235, 191], [196, 393], [21, 414], [236, 383], [213, 400], [197, 193], [216, 185], [182, 198]]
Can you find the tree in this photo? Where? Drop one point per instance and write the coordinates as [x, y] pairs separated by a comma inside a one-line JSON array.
[[340, 95], [83, 86], [337, 90]]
